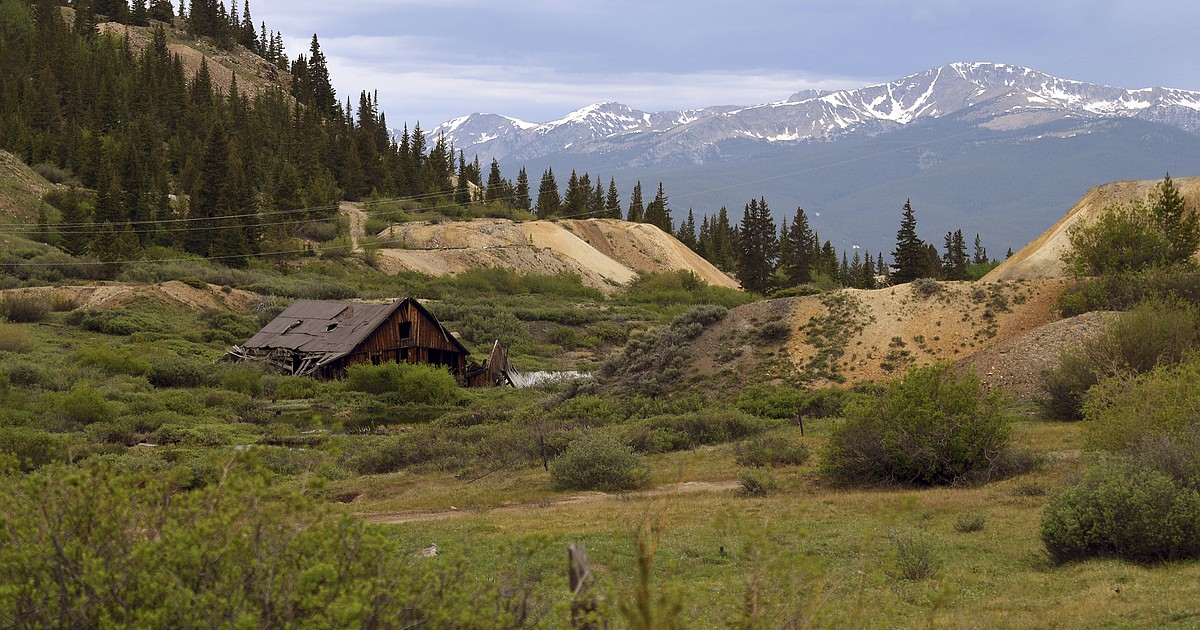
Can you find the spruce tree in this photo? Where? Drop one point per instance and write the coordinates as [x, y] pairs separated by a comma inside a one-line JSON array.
[[637, 211], [494, 193], [549, 203], [910, 258], [687, 231], [758, 247], [981, 257], [799, 267], [522, 200], [612, 202]]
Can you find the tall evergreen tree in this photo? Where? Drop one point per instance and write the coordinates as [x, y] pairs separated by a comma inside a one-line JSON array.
[[521, 200], [549, 202], [658, 213], [637, 211], [1170, 213], [910, 258], [612, 202], [687, 231], [981, 256], [494, 193], [799, 266], [954, 260], [758, 247]]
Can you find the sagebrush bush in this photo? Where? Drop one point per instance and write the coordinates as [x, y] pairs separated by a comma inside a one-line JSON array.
[[931, 427], [25, 308], [914, 556], [926, 287], [656, 361], [1152, 334], [1125, 511], [756, 482], [597, 461], [83, 405], [770, 450], [969, 523], [14, 338]]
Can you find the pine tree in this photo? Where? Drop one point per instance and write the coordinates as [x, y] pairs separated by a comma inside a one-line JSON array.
[[799, 267], [911, 259], [323, 94], [1170, 214], [687, 231], [758, 247], [575, 203], [549, 203], [494, 193], [658, 213], [981, 257], [522, 200], [954, 260], [612, 202], [161, 10], [637, 212]]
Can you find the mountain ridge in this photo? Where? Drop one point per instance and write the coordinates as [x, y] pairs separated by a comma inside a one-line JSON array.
[[1025, 96]]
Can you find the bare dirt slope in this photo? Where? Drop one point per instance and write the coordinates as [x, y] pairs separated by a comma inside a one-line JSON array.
[[114, 295], [1042, 258], [606, 253], [865, 336]]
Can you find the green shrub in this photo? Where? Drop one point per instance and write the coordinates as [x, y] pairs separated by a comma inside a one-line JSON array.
[[123, 322], [405, 383], [288, 387], [596, 461], [33, 448], [173, 371], [689, 430], [770, 450], [1124, 239], [932, 427], [1122, 413], [243, 379], [84, 405], [773, 331], [1152, 334], [926, 287], [112, 360], [14, 338], [486, 326], [771, 401], [756, 482], [1124, 511], [656, 361], [25, 307]]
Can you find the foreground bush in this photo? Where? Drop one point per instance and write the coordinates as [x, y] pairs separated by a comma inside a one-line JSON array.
[[597, 461], [932, 427], [25, 308], [770, 450], [104, 548], [1125, 511]]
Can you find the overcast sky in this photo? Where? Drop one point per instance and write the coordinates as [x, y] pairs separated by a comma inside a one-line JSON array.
[[433, 60]]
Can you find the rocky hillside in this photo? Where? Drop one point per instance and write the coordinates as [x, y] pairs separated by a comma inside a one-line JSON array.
[[606, 253], [1042, 257]]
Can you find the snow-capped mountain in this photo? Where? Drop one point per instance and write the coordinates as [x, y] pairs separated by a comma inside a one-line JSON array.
[[990, 95]]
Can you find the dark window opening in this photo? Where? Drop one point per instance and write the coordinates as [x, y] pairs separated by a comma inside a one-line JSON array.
[[331, 327], [375, 360], [406, 330]]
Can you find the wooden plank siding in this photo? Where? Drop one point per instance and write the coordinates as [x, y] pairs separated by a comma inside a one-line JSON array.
[[410, 334]]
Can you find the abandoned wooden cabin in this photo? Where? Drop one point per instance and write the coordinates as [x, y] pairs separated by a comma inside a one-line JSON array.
[[324, 338]]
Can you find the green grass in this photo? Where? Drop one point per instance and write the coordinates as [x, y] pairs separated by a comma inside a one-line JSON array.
[[833, 541]]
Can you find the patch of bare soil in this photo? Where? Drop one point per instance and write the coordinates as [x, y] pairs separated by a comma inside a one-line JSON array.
[[114, 295], [686, 487], [1016, 365], [606, 253], [855, 336]]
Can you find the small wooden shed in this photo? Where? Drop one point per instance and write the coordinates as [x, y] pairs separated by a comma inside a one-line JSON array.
[[323, 338]]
